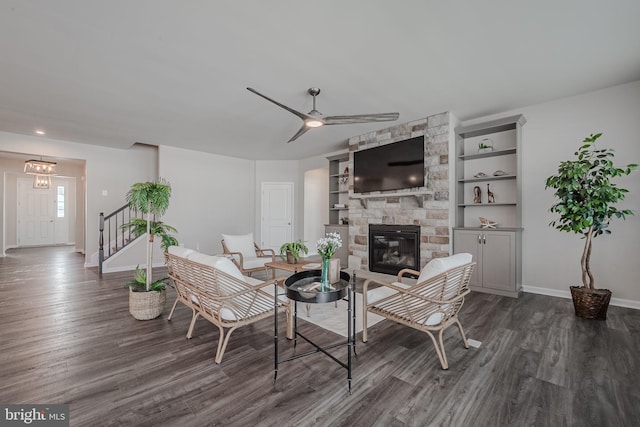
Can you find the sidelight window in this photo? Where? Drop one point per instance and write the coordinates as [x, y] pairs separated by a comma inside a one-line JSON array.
[[60, 201]]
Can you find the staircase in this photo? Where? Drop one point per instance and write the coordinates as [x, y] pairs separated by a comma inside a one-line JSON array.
[[112, 232]]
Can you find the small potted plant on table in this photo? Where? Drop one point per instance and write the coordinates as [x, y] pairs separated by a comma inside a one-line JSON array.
[[291, 251]]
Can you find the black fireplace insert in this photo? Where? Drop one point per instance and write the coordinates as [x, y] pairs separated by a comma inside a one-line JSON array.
[[393, 248]]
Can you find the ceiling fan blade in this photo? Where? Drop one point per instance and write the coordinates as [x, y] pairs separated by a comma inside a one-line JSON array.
[[300, 132], [360, 118], [291, 110]]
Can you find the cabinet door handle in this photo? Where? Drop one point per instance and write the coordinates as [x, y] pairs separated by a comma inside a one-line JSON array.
[[479, 239], [484, 239]]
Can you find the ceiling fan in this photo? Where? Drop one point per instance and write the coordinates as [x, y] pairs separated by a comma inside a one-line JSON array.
[[316, 119]]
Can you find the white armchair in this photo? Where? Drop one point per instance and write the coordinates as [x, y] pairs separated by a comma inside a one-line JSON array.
[[430, 305], [247, 256]]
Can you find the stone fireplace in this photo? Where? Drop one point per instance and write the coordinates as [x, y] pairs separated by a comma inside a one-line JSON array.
[[393, 248], [425, 208]]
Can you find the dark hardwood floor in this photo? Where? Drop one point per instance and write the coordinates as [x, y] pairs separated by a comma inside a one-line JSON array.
[[66, 337]]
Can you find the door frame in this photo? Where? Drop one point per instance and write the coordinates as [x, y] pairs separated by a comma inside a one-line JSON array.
[[70, 209]]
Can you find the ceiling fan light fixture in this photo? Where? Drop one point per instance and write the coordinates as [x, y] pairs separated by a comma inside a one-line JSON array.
[[313, 123], [315, 119]]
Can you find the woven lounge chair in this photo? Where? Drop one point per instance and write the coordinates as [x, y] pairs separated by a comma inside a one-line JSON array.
[[431, 305], [247, 255], [215, 290], [183, 294]]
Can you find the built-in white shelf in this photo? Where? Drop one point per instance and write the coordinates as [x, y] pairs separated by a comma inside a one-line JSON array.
[[485, 205], [488, 178], [494, 153]]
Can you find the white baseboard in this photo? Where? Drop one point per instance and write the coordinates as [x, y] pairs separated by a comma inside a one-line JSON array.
[[128, 267], [619, 302]]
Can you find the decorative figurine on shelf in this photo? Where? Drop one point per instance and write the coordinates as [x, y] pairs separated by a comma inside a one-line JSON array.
[[490, 197], [477, 193], [487, 223]]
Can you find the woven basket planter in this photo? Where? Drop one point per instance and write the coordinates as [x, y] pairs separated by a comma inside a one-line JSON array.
[[146, 305], [590, 303]]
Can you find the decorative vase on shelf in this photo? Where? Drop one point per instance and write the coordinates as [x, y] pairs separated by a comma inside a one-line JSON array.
[[325, 285]]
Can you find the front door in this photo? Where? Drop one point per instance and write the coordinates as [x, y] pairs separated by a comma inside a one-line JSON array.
[[35, 214], [277, 214], [46, 215]]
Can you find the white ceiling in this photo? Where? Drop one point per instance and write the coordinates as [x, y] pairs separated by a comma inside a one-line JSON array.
[[175, 72]]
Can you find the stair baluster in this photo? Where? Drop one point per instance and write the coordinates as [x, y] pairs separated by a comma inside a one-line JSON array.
[[121, 239]]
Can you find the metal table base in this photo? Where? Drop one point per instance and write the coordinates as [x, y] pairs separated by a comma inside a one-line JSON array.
[[295, 292]]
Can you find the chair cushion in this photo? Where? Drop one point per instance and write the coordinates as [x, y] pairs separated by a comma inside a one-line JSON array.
[[251, 280], [240, 243], [205, 259], [440, 265], [255, 262], [225, 265], [434, 319], [180, 251], [375, 295], [228, 315]]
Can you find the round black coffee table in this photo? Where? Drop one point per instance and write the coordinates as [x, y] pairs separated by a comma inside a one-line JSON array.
[[304, 287]]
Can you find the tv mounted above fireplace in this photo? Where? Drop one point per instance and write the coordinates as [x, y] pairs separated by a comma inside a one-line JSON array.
[[392, 166]]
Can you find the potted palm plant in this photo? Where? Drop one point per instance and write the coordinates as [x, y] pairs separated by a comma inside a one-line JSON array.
[[291, 251], [586, 199], [146, 296]]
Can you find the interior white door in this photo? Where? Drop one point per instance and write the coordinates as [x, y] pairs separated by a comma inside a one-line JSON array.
[[277, 214], [35, 214]]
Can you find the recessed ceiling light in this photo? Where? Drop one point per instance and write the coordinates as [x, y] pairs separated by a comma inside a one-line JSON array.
[[40, 132]]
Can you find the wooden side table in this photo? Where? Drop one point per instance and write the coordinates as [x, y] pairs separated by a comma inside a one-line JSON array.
[[292, 268]]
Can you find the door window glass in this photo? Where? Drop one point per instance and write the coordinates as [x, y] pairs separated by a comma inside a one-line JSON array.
[[60, 202]]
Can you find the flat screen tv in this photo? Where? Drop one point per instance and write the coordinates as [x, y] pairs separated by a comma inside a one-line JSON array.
[[389, 167]]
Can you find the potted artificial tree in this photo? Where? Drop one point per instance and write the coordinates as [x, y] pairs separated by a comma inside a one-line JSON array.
[[291, 251], [586, 200], [146, 296]]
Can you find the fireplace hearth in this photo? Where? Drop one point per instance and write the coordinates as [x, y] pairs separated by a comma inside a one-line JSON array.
[[393, 248]]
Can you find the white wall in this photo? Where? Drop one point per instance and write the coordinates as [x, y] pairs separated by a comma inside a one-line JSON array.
[[316, 196], [316, 206], [553, 132], [211, 195], [109, 169]]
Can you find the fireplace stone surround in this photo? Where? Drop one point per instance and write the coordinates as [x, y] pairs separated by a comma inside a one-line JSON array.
[[426, 207]]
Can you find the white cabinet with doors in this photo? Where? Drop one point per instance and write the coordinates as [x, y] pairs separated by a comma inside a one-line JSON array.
[[496, 255]]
